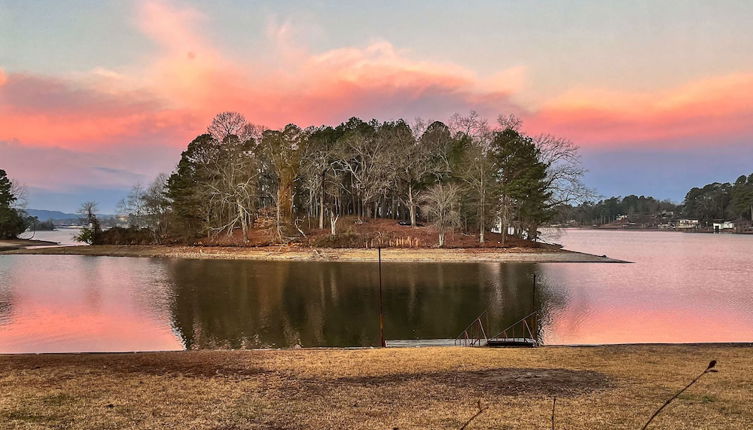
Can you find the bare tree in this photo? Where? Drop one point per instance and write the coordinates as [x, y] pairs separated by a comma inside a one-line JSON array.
[[477, 172], [225, 124], [91, 231], [477, 168], [132, 206], [366, 159], [231, 188], [19, 191], [441, 203], [318, 165], [509, 121], [564, 170]]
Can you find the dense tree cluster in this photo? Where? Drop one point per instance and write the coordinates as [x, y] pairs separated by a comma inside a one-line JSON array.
[[707, 204], [465, 174], [13, 220], [608, 210], [721, 201]]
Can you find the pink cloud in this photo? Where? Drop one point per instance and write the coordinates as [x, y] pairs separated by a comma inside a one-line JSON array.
[[173, 95], [715, 108]]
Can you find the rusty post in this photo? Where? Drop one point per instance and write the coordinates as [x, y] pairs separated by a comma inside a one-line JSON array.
[[381, 310]]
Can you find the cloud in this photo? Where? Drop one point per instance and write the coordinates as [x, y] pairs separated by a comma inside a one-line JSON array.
[[133, 112], [48, 111], [709, 109], [60, 170], [292, 84]]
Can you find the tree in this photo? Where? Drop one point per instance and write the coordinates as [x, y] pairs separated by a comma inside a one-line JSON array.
[[477, 168], [226, 124], [741, 201], [132, 207], [13, 220], [522, 176], [364, 157], [283, 149], [237, 172], [148, 208], [185, 188], [231, 188], [318, 166], [441, 203], [412, 162], [564, 170], [91, 233]]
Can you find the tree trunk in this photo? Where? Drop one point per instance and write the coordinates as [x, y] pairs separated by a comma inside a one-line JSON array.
[[411, 206], [481, 218], [285, 198], [503, 226], [333, 223], [244, 222], [441, 238], [321, 208]]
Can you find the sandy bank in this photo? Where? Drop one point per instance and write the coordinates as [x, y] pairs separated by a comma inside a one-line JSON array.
[[509, 255], [611, 387], [13, 244]]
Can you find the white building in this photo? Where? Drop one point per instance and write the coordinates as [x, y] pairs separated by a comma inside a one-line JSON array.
[[725, 225], [684, 224]]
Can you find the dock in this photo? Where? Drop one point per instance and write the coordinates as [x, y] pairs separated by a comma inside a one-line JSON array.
[[510, 342]]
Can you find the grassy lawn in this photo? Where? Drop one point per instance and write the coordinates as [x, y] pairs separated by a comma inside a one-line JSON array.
[[595, 387]]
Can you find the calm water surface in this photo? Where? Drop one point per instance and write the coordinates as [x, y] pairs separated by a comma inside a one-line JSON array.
[[680, 288]]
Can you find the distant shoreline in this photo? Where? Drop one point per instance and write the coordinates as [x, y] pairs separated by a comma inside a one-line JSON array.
[[649, 229], [291, 253]]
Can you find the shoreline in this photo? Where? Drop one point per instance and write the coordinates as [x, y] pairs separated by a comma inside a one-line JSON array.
[[283, 253], [576, 346], [614, 386], [17, 244]]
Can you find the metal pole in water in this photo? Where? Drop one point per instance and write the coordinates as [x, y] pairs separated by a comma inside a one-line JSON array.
[[381, 312], [533, 305], [533, 299]]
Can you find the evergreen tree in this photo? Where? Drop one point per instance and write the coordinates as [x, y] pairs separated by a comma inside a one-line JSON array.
[[13, 221]]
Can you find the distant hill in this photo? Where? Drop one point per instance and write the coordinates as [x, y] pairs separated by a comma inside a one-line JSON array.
[[45, 215]]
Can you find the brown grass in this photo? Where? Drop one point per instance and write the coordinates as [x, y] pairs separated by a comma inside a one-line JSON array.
[[367, 233], [297, 253], [597, 387]]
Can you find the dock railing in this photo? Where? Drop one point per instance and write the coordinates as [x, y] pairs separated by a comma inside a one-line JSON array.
[[474, 334], [523, 328]]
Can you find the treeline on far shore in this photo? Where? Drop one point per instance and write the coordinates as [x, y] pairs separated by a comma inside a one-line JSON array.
[[336, 186], [712, 203]]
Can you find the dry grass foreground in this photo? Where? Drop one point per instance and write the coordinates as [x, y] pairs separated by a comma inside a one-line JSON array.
[[294, 253], [610, 387]]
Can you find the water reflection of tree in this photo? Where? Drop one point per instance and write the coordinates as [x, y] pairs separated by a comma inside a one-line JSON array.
[[243, 304], [6, 299]]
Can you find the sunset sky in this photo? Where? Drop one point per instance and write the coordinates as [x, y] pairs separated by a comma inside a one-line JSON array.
[[96, 96]]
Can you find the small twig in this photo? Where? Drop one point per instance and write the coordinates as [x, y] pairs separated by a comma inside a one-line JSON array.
[[709, 369], [554, 404], [480, 411]]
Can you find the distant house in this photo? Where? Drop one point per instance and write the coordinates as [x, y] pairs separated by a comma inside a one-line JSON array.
[[621, 217], [686, 224], [724, 225]]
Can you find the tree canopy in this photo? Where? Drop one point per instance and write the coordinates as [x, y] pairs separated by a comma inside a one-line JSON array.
[[464, 174], [13, 220]]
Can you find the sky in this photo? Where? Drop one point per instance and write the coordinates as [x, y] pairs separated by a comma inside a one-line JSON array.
[[96, 96]]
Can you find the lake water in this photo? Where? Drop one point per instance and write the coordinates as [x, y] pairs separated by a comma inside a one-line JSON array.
[[680, 288]]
